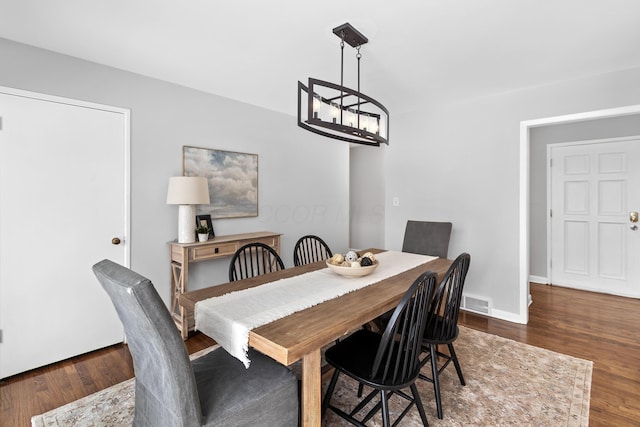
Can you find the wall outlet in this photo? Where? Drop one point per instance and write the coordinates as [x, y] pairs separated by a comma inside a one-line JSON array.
[[396, 201]]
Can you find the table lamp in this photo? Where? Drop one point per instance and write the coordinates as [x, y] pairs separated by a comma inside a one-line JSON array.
[[187, 191]]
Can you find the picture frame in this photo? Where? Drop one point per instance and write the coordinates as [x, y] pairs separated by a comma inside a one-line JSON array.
[[232, 179], [206, 221]]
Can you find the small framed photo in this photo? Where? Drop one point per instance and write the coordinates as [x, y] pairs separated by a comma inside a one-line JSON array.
[[205, 221]]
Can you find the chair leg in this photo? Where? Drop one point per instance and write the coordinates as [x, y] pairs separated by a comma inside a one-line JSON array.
[[436, 381], [418, 402], [332, 386], [385, 408], [360, 389], [456, 363]]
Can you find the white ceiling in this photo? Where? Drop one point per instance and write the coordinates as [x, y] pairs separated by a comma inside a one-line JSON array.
[[419, 51]]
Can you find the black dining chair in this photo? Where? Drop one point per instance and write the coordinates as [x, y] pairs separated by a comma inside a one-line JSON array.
[[387, 363], [442, 324], [213, 390], [254, 259], [310, 249], [427, 238]]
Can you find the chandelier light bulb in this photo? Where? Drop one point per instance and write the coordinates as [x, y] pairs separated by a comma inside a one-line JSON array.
[[374, 125], [316, 107], [335, 112], [364, 122]]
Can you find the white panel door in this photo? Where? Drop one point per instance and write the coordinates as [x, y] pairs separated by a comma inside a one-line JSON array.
[[63, 197], [595, 188]]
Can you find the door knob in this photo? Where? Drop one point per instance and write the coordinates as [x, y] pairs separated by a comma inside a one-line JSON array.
[[633, 216], [115, 241]]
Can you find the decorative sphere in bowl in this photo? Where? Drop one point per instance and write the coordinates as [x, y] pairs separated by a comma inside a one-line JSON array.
[[349, 271]]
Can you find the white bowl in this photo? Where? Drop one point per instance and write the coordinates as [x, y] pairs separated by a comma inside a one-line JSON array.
[[353, 271]]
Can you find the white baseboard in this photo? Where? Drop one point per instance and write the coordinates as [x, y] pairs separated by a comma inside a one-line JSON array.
[[502, 315], [508, 316], [539, 279]]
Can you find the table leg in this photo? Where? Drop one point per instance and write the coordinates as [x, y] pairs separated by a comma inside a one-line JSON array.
[[311, 390]]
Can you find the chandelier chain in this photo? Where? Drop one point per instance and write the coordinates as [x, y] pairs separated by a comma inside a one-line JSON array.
[[358, 56], [341, 76]]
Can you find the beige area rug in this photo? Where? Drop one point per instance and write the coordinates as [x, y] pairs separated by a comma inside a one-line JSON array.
[[508, 383]]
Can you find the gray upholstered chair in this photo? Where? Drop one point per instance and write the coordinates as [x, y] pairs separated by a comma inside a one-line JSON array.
[[427, 238], [424, 238], [172, 391]]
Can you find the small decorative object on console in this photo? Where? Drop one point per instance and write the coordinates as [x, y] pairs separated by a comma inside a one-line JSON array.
[[203, 233]]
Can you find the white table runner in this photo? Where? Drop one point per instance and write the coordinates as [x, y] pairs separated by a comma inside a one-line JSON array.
[[229, 318]]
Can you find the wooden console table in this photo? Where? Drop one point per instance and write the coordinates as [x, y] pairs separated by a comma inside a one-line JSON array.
[[219, 247]]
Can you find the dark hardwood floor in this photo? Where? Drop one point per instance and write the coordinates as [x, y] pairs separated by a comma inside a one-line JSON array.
[[602, 328], [40, 390]]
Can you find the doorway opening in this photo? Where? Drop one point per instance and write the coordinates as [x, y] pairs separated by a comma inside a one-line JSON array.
[[526, 130]]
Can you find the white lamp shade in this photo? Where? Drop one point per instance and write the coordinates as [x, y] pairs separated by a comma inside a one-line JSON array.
[[188, 190]]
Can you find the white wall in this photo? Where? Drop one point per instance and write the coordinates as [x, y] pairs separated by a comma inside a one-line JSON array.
[[460, 162], [301, 175], [367, 195], [456, 162]]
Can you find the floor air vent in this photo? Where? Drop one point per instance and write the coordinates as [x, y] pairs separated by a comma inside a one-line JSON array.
[[476, 304]]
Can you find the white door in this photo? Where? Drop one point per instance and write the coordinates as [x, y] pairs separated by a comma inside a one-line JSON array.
[[63, 197], [595, 190]]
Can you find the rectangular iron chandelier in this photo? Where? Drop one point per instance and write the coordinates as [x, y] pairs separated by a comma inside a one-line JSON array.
[[339, 112]]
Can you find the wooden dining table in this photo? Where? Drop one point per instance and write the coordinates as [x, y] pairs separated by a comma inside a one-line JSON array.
[[302, 335]]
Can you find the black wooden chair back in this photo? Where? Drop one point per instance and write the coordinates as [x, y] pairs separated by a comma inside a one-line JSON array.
[[310, 249], [397, 360], [442, 325], [254, 259], [389, 362]]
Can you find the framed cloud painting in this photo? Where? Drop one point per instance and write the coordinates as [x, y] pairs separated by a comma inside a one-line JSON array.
[[232, 177]]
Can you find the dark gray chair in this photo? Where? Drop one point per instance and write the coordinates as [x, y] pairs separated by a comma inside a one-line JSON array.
[[442, 324], [424, 238], [388, 363], [172, 391], [427, 238], [310, 249], [254, 259]]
